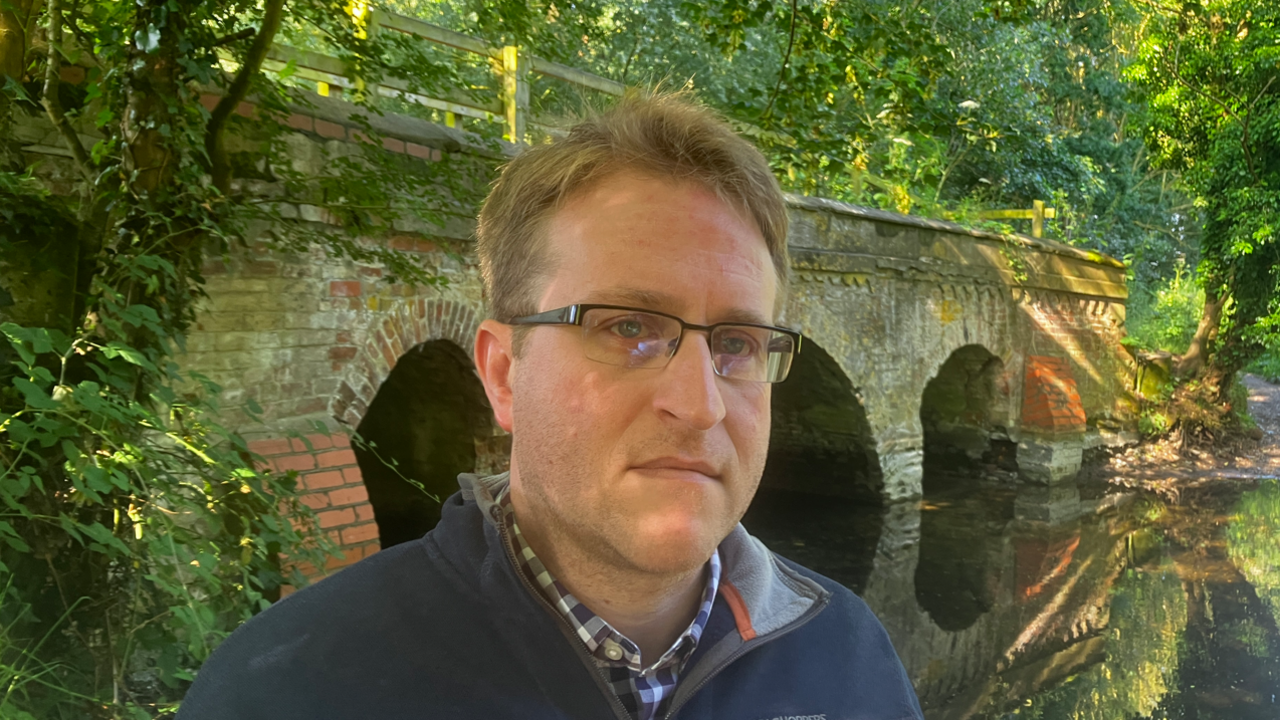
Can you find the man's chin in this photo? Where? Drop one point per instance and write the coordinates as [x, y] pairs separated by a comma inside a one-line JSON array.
[[672, 545]]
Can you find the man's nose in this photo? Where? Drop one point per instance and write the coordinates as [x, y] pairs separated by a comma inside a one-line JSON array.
[[688, 388]]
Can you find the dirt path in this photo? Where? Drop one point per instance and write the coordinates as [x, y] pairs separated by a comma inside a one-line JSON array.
[[1160, 468], [1264, 405]]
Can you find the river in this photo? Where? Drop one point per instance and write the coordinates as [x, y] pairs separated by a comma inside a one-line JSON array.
[[1078, 601]]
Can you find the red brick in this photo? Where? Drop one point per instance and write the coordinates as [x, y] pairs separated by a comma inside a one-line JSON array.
[[348, 496], [301, 122], [315, 501], [320, 441], [370, 549], [359, 533], [322, 480], [419, 151], [343, 337], [274, 446], [344, 288], [330, 129], [333, 518], [335, 458], [341, 440], [299, 445], [424, 246], [302, 461], [436, 155], [351, 475], [393, 144], [245, 109], [209, 101], [364, 513]]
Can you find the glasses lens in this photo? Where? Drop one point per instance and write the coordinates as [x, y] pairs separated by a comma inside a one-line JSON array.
[[629, 338], [750, 353]]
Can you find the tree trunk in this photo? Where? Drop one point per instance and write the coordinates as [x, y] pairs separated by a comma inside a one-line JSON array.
[[1193, 360], [15, 40]]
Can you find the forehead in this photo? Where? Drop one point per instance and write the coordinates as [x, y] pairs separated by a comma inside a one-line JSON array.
[[660, 243]]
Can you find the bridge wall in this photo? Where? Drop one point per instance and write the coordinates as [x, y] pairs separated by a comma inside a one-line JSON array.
[[887, 300]]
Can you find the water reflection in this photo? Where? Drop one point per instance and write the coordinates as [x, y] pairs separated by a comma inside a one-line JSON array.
[[1130, 608]]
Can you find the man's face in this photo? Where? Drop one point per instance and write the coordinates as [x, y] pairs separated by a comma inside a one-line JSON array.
[[644, 468]]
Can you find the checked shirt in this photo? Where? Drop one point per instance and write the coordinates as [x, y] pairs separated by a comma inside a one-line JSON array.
[[645, 691]]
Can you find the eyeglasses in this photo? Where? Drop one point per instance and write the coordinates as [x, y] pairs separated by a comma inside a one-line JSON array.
[[644, 339]]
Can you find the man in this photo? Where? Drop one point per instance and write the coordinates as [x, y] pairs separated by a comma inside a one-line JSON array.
[[634, 271]]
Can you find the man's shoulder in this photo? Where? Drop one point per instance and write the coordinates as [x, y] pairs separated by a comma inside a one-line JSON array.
[[842, 598], [376, 614]]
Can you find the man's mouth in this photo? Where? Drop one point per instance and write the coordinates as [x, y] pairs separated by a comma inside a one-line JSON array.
[[676, 465]]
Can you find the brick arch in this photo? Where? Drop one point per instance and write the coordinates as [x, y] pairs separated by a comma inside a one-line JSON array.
[[411, 323]]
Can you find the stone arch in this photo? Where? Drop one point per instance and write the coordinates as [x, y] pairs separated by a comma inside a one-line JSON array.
[[964, 412], [821, 442], [407, 325], [426, 425], [413, 391], [819, 501]]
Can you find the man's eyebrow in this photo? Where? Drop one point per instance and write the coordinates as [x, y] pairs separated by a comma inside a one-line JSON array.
[[666, 302]]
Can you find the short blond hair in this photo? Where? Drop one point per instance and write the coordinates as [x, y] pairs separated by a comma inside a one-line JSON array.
[[662, 135]]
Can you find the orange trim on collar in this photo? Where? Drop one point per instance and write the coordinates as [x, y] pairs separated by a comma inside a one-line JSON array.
[[741, 616]]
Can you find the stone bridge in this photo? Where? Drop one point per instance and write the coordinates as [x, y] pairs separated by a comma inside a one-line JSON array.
[[925, 342]]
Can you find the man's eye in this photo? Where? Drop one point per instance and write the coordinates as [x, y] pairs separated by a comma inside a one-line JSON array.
[[629, 328], [735, 346]]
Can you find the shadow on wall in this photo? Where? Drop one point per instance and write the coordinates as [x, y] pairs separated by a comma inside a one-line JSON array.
[[420, 432], [821, 441]]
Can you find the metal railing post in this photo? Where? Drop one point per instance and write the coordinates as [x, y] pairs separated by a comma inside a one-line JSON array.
[[515, 92]]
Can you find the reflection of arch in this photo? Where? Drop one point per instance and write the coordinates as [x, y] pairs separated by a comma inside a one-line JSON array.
[[821, 442], [961, 408], [420, 430], [410, 323]]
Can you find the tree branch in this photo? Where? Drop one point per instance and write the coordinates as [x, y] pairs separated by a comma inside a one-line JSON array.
[[52, 104], [244, 34], [219, 165], [1244, 123], [786, 60]]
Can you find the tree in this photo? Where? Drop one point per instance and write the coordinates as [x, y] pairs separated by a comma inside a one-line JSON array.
[[1212, 70], [135, 531]]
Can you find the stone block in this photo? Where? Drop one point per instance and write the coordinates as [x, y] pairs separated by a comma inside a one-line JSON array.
[[1047, 461]]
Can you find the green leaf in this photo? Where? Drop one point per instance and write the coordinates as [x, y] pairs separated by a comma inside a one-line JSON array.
[[34, 395]]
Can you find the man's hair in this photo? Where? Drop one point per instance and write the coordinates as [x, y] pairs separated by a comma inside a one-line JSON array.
[[660, 135]]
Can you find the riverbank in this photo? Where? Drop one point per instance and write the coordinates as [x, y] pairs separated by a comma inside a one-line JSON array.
[[1161, 466]]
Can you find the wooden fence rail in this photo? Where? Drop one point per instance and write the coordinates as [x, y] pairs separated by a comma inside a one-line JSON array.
[[511, 64]]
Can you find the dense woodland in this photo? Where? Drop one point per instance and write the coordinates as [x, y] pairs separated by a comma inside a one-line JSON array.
[[135, 532]]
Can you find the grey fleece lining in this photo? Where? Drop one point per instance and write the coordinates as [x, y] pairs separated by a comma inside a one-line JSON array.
[[774, 595]]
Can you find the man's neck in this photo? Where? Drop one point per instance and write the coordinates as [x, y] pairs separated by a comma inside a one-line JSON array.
[[652, 610]]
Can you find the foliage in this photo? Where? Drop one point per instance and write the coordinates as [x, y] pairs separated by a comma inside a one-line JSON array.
[[1148, 614], [136, 531], [1253, 542], [1165, 317], [1267, 364], [1212, 71]]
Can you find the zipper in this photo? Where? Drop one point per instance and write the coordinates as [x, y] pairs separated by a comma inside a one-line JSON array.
[[746, 648], [618, 709]]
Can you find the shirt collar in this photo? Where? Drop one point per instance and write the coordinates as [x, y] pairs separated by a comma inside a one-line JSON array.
[[605, 643]]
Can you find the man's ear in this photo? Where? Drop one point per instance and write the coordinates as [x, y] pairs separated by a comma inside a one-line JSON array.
[[494, 365]]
